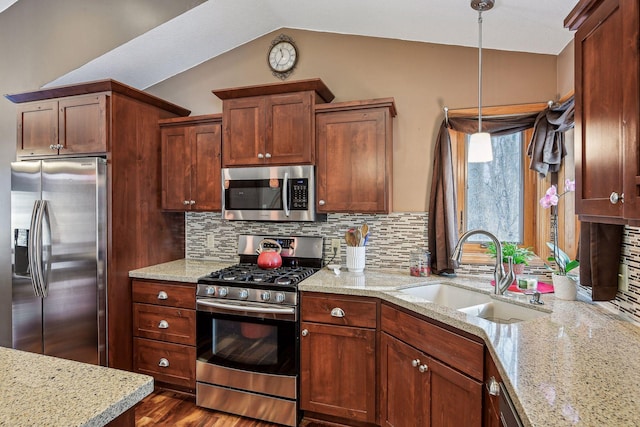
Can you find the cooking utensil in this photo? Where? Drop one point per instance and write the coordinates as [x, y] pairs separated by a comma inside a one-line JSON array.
[[269, 258], [349, 238]]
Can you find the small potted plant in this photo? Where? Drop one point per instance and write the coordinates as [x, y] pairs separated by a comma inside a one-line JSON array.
[[520, 255]]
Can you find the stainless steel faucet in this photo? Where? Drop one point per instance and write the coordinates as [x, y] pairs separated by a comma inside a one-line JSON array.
[[503, 280]]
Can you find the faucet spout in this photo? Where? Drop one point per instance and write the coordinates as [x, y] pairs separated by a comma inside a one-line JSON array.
[[502, 280]]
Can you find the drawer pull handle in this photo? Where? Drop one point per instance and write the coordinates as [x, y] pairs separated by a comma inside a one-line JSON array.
[[163, 324], [162, 295], [337, 312], [163, 363]]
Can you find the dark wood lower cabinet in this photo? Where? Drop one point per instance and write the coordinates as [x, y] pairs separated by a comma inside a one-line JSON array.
[[417, 390], [404, 391], [338, 371]]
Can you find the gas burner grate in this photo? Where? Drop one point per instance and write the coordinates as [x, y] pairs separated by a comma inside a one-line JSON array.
[[249, 273]]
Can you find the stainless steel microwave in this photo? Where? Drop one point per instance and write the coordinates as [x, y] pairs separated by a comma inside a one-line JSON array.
[[269, 193]]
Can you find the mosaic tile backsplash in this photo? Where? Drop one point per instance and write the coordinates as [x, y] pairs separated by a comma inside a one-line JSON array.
[[392, 238]]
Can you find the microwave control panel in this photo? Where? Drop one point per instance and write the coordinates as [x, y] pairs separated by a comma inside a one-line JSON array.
[[300, 194]]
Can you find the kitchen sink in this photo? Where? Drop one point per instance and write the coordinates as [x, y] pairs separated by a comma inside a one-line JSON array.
[[448, 295], [503, 312]]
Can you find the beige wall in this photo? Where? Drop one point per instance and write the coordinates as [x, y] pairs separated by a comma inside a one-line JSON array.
[[566, 76], [421, 77]]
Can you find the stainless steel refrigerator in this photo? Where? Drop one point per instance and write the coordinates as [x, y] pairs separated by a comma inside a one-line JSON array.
[[59, 232]]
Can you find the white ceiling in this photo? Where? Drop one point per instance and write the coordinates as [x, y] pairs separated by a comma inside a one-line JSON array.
[[217, 26], [4, 4]]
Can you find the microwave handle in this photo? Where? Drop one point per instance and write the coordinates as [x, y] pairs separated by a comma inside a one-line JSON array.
[[285, 194]]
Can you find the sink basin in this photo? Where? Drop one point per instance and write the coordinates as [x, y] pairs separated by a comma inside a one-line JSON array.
[[502, 312], [447, 295]]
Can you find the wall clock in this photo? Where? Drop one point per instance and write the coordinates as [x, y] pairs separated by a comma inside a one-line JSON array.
[[282, 56]]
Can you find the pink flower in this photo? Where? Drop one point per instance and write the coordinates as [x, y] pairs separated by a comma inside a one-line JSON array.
[[569, 185], [550, 198]]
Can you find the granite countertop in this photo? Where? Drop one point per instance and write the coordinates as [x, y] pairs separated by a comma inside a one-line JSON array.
[[578, 365], [38, 390], [182, 270]]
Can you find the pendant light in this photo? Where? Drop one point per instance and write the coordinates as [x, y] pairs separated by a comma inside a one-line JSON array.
[[480, 142]]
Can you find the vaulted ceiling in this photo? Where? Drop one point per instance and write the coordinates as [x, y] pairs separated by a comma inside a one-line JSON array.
[[217, 26]]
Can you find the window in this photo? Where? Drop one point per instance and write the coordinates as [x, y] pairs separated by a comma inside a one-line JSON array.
[[495, 191], [499, 196], [533, 220]]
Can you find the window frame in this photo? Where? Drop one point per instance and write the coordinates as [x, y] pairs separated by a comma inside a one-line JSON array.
[[474, 253]]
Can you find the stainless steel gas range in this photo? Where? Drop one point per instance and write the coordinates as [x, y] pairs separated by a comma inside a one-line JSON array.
[[248, 329]]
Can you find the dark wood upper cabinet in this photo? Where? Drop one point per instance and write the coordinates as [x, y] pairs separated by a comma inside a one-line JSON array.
[[270, 124], [355, 156], [69, 126], [607, 109], [191, 163]]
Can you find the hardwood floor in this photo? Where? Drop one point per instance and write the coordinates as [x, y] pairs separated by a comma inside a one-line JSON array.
[[167, 408]]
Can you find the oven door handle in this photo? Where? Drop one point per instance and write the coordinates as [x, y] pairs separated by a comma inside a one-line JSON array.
[[247, 308]]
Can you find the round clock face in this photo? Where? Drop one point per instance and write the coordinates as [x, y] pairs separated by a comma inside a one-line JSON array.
[[282, 57]]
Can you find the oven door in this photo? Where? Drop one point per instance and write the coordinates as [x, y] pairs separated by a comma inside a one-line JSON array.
[[259, 338]]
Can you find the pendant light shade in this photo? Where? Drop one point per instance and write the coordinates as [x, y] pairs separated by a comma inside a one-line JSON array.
[[480, 142], [480, 148]]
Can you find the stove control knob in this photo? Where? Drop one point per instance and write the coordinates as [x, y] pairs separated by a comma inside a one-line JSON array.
[[223, 292], [279, 297], [244, 294], [211, 290], [265, 296]]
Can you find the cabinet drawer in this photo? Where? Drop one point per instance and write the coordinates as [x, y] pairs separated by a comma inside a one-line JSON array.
[[159, 293], [339, 310], [457, 351], [171, 324], [166, 362]]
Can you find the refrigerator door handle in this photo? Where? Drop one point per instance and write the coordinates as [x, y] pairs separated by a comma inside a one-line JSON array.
[[44, 263], [38, 250], [32, 249]]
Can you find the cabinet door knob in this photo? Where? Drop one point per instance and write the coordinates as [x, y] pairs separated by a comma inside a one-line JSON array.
[[53, 147], [614, 198], [321, 202], [260, 156], [192, 202], [60, 146], [493, 386], [185, 202], [415, 363], [162, 295], [337, 312], [423, 368], [163, 324], [163, 363], [267, 156], [304, 332]]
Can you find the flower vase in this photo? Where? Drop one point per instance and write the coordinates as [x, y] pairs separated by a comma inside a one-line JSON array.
[[565, 288]]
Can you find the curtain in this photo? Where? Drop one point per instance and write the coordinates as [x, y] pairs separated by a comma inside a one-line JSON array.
[[547, 148], [442, 231]]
